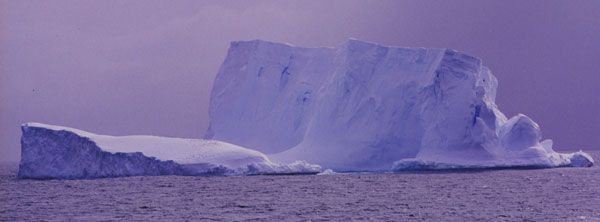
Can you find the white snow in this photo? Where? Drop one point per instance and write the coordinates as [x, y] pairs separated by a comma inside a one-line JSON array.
[[327, 172], [190, 151], [363, 106]]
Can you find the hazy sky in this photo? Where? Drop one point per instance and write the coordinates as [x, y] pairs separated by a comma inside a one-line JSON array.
[[146, 67]]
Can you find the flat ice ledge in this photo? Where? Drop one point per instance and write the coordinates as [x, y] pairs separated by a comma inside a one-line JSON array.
[[577, 159], [49, 151]]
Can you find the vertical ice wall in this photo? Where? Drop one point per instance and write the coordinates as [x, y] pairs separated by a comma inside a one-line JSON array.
[[264, 94], [363, 106]]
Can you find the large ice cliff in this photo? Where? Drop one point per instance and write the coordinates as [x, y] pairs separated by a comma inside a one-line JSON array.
[[363, 106]]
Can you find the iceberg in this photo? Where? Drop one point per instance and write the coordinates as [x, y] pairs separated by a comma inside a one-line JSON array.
[[359, 106], [49, 151], [362, 106]]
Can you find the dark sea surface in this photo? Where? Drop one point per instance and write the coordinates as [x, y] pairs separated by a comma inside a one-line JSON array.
[[561, 194]]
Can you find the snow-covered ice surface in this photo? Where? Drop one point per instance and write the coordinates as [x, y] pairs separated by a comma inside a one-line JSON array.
[[356, 107], [558, 194], [50, 151], [363, 106]]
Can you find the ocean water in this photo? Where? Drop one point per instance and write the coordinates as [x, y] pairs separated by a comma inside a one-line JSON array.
[[561, 194]]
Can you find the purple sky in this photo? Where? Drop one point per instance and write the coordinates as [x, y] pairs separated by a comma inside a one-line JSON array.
[[146, 67]]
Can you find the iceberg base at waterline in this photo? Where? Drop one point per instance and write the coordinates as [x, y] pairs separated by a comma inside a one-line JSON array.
[[56, 152], [577, 159], [49, 152]]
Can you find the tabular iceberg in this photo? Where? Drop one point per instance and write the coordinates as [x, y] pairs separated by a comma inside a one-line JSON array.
[[357, 107], [362, 106], [49, 151]]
